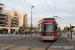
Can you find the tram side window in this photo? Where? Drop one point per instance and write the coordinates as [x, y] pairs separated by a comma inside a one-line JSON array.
[[44, 27], [0, 30], [55, 27]]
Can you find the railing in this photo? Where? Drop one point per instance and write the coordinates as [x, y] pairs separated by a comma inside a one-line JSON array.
[[2, 16], [14, 25]]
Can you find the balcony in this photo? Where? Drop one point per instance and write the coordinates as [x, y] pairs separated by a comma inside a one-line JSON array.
[[2, 18], [25, 18], [0, 12], [1, 22], [15, 20], [26, 22], [14, 25], [3, 25]]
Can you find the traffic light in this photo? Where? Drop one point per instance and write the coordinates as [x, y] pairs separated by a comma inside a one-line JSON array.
[[59, 17], [72, 26]]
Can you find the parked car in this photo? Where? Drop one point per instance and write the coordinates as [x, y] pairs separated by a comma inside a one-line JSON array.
[[4, 32], [74, 33]]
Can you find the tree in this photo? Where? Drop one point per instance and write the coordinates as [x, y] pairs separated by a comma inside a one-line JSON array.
[[26, 28]]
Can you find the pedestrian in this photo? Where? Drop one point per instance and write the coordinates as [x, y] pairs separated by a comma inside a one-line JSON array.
[[26, 32], [17, 31], [14, 32], [29, 32]]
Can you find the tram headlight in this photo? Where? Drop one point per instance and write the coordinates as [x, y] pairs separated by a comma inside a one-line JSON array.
[[51, 33], [41, 34]]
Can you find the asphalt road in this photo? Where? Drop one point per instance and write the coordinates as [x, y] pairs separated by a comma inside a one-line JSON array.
[[35, 43], [68, 33]]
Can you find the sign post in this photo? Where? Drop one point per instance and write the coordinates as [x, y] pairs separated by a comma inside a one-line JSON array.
[[71, 31]]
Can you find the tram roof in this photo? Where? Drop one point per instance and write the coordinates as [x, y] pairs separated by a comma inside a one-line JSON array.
[[49, 18]]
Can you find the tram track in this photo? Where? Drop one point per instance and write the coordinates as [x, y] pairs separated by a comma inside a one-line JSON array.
[[20, 43], [49, 45], [42, 43], [35, 44], [68, 43]]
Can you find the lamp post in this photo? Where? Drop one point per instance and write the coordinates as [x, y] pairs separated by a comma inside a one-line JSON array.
[[31, 19], [24, 23]]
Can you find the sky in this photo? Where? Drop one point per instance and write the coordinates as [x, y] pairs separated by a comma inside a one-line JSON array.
[[63, 8]]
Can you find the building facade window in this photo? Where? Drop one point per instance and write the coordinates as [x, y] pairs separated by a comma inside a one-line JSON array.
[[1, 5], [0, 8], [15, 14]]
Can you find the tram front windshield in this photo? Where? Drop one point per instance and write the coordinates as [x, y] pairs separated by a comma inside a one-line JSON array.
[[47, 27]]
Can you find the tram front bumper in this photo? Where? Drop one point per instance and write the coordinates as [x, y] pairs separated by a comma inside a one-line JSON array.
[[48, 37]]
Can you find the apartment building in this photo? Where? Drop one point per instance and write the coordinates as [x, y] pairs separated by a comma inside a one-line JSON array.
[[21, 16], [3, 16], [40, 24], [13, 19], [2, 8]]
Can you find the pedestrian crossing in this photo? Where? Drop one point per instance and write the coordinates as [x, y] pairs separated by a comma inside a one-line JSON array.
[[24, 35], [19, 47], [8, 35], [13, 47]]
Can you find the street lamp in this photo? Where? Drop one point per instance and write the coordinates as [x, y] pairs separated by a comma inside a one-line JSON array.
[[24, 23], [31, 19]]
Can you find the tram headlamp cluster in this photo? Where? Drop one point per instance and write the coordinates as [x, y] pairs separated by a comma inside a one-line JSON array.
[[51, 33]]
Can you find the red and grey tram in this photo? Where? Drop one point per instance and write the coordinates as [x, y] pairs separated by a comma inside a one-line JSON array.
[[49, 29]]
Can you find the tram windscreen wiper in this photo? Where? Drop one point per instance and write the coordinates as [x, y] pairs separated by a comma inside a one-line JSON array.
[[49, 28]]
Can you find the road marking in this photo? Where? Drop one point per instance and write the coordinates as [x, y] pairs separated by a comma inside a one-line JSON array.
[[9, 35], [15, 47], [6, 46], [2, 44], [36, 48], [20, 48]]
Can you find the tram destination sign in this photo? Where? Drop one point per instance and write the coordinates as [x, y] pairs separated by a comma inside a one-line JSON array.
[[48, 23]]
